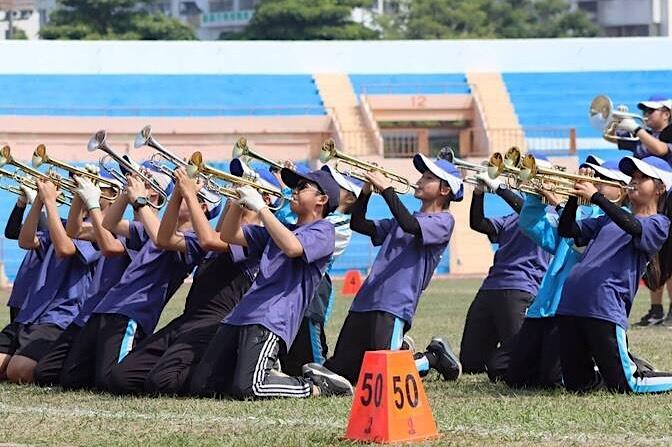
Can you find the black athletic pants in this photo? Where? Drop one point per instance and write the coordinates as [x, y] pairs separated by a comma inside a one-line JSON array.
[[587, 342], [494, 317], [535, 356], [102, 343], [49, 368], [239, 363], [162, 363], [310, 345], [13, 312]]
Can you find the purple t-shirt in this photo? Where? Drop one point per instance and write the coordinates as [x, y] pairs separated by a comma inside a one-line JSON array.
[[249, 265], [151, 278], [108, 273], [404, 265], [640, 151], [603, 284], [27, 275], [61, 285], [519, 264], [284, 286]]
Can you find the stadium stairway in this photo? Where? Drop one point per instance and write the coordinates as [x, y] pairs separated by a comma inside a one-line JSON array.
[[338, 96], [496, 112]]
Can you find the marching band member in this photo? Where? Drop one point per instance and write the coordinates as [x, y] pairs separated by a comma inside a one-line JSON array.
[[657, 141], [130, 310], [498, 309], [411, 247], [240, 359], [162, 363], [535, 352], [107, 273], [598, 293], [56, 296]]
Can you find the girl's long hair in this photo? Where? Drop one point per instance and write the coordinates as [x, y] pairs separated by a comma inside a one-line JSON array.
[[659, 269]]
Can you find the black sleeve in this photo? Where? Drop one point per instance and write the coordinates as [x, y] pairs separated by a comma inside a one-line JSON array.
[[510, 197], [477, 220], [14, 223], [406, 221], [358, 221], [567, 227], [625, 220]]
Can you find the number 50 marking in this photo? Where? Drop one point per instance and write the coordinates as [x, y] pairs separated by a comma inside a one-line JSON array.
[[409, 393]]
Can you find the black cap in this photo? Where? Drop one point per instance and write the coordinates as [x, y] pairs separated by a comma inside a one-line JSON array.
[[324, 181]]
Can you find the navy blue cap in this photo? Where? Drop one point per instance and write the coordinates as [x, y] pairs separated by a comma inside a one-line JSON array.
[[322, 179]]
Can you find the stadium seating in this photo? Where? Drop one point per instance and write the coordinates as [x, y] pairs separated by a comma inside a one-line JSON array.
[[562, 99], [159, 95]]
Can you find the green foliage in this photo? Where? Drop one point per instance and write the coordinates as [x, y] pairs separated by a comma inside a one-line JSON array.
[[306, 20], [466, 19], [18, 34], [112, 19]]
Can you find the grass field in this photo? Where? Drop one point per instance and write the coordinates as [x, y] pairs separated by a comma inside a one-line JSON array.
[[470, 412]]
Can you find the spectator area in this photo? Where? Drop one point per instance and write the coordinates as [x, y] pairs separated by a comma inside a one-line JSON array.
[[399, 84]]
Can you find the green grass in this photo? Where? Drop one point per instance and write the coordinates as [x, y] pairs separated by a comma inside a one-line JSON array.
[[470, 412]]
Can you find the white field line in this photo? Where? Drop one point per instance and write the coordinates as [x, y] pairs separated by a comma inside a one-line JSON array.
[[161, 416]]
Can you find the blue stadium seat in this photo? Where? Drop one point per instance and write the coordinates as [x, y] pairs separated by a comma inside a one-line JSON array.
[[159, 95], [562, 99]]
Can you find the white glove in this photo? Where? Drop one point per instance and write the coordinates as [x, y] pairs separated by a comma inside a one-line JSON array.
[[491, 183], [28, 194], [628, 124], [251, 199], [88, 192]]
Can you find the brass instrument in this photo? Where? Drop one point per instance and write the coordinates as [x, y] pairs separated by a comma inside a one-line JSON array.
[[40, 157], [197, 166], [145, 138], [329, 152], [605, 118], [242, 150], [98, 142], [26, 181], [30, 175]]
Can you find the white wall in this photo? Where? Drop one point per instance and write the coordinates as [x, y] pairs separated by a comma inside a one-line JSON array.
[[445, 56]]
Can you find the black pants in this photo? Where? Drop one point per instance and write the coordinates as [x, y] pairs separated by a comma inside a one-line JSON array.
[[310, 345], [49, 368], [494, 317], [535, 355], [13, 312], [102, 343], [239, 363], [162, 363], [361, 332], [587, 342]]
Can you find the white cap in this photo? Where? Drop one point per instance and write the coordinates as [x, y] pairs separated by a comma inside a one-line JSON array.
[[342, 181], [611, 174], [444, 170], [653, 167], [655, 104]]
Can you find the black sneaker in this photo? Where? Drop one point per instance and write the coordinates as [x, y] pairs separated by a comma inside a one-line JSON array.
[[668, 318], [448, 364], [653, 317], [329, 383]]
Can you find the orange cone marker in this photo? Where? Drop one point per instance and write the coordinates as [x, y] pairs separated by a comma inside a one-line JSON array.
[[352, 282]]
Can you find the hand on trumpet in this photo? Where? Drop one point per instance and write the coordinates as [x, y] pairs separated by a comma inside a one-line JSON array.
[[88, 192], [550, 197], [251, 199], [185, 184], [378, 181], [585, 190], [47, 190], [27, 197], [135, 188], [628, 124], [484, 181]]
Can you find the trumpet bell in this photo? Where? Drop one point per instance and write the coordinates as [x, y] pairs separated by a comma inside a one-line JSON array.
[[39, 156], [195, 163], [512, 157], [327, 150], [143, 137], [495, 165], [528, 167], [600, 112], [97, 140], [240, 148]]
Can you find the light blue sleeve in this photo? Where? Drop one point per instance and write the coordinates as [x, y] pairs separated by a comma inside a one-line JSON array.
[[538, 224]]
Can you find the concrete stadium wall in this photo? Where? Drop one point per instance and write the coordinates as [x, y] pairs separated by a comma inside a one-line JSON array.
[[437, 56]]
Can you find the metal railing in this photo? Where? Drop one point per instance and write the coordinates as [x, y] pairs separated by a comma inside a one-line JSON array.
[[427, 88], [552, 141]]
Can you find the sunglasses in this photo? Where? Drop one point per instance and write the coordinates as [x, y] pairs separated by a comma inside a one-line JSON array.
[[302, 185]]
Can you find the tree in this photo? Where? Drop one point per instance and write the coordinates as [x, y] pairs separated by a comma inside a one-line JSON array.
[[305, 20], [112, 19], [459, 19]]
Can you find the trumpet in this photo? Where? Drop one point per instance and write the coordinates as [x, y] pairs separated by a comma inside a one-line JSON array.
[[243, 151], [30, 175], [329, 152], [145, 138], [197, 166], [40, 157], [26, 181], [488, 166], [98, 142], [605, 118]]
